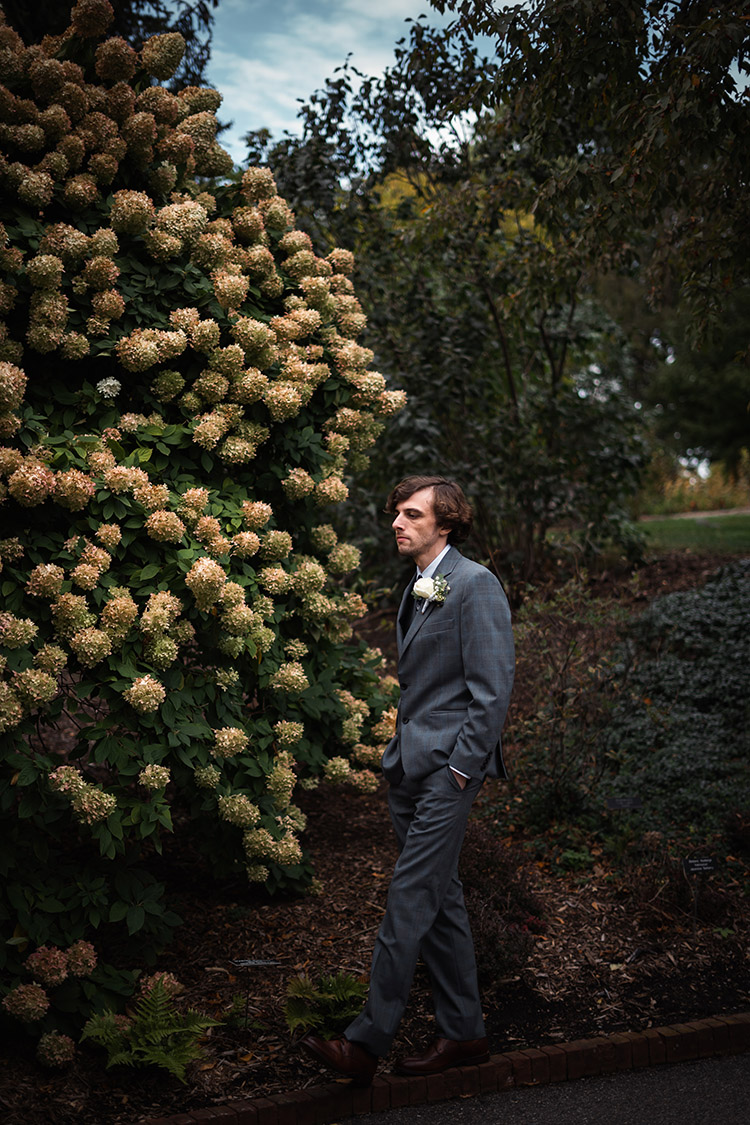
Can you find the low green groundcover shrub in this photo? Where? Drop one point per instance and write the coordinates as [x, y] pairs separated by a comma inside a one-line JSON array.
[[678, 735], [661, 716]]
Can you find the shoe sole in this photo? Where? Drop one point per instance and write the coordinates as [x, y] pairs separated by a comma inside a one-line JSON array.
[[357, 1079]]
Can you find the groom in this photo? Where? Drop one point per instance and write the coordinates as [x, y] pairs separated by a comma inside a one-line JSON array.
[[455, 669]]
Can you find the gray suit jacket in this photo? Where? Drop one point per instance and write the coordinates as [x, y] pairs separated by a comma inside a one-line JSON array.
[[455, 668]]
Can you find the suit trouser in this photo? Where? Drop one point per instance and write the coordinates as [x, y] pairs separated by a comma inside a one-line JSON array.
[[425, 913]]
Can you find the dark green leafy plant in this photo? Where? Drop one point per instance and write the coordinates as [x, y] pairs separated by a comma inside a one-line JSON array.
[[325, 1005], [504, 914], [502, 948], [155, 1033], [572, 860], [563, 637]]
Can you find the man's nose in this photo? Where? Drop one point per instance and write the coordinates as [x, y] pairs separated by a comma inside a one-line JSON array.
[[397, 525]]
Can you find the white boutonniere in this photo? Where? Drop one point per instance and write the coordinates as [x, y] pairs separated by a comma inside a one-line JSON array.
[[431, 589]]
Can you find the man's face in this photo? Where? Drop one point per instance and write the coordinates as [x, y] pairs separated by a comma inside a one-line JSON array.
[[417, 533]]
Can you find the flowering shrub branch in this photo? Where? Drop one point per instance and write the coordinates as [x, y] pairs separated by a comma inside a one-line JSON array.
[[181, 395]]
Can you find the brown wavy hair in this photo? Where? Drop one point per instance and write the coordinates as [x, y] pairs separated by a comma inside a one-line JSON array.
[[451, 507]]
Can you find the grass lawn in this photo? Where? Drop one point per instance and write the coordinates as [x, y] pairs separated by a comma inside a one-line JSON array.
[[702, 533]]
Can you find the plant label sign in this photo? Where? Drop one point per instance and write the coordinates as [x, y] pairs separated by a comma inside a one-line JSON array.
[[699, 865], [624, 803]]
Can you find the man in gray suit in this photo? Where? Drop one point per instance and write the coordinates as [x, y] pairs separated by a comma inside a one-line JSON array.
[[455, 668]]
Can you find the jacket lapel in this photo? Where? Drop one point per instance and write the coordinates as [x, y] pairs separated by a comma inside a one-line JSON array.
[[417, 623], [445, 569], [401, 609]]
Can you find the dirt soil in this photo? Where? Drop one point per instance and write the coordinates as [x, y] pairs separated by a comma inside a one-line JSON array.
[[603, 962]]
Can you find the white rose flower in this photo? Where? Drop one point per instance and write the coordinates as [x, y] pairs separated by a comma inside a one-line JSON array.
[[423, 588]]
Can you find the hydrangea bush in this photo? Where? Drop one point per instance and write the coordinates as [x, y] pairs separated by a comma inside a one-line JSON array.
[[181, 393]]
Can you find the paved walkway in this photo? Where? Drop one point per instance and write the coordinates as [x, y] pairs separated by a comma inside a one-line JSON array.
[[705, 1092], [627, 1078]]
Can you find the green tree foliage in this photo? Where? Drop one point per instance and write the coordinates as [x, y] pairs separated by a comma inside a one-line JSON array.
[[181, 392], [515, 376], [701, 396], [695, 394], [639, 112], [636, 115]]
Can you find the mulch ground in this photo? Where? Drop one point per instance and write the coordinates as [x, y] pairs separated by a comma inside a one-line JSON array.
[[605, 961]]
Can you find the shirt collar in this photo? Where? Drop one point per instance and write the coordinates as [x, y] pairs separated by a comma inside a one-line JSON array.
[[430, 569]]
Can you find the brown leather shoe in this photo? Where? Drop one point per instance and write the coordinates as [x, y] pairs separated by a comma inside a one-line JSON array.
[[443, 1054], [343, 1056]]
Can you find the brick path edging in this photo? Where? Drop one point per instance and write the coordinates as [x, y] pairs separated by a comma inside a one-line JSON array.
[[605, 1054]]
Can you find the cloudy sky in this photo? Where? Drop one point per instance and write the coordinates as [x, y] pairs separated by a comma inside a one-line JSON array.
[[268, 53]]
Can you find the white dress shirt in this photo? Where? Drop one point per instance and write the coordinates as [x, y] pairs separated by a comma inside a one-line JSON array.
[[429, 570]]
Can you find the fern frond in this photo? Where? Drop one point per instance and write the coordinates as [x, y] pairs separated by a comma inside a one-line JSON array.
[[157, 1035], [326, 1006], [121, 1058], [303, 988]]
